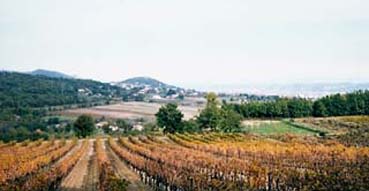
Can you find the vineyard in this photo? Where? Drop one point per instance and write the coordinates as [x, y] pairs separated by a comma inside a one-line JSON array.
[[180, 162]]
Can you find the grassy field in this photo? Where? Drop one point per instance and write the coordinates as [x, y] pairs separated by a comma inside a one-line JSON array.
[[308, 126], [275, 127]]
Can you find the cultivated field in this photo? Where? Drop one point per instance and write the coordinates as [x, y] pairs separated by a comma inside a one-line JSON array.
[[338, 125], [212, 161], [129, 110], [350, 130], [276, 155]]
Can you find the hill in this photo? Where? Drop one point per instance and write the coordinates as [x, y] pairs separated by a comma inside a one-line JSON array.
[[150, 89], [25, 90], [26, 99], [48, 73], [145, 81]]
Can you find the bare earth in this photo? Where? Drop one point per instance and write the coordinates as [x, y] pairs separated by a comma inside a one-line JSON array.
[[74, 149], [84, 175], [131, 110], [125, 172], [92, 178]]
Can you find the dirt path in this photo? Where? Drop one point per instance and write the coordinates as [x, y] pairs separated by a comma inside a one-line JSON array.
[[92, 178], [84, 175], [72, 151], [125, 172]]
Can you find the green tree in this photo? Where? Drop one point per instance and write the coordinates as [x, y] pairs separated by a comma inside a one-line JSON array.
[[319, 109], [356, 103], [299, 107], [230, 121], [22, 133], [11, 134], [84, 126], [124, 125], [209, 117], [169, 118], [190, 126], [336, 105], [53, 121]]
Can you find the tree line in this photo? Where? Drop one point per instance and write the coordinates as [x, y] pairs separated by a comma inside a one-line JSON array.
[[214, 117], [226, 117], [356, 103]]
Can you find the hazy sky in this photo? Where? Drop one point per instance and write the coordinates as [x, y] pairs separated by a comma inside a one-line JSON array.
[[189, 42]]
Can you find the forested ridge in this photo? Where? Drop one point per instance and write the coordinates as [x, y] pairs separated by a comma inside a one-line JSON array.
[[24, 90], [25, 99]]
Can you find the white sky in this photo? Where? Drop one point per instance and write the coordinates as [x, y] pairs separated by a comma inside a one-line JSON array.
[[189, 42]]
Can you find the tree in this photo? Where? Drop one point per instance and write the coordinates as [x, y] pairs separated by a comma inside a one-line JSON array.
[[356, 103], [209, 117], [319, 109], [169, 118], [22, 134], [299, 107], [338, 105], [190, 126], [53, 121], [230, 121], [124, 125], [84, 126]]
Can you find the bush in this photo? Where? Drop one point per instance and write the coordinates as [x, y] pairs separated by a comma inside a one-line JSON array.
[[169, 118], [84, 126], [191, 126]]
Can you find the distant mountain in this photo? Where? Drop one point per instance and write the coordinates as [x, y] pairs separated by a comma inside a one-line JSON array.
[[51, 74], [149, 89], [145, 81], [318, 89], [312, 90]]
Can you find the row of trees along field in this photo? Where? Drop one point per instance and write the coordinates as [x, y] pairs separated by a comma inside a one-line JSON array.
[[227, 117], [356, 103], [213, 117]]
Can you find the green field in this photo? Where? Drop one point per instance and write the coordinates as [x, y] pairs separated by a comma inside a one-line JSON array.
[[277, 128]]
